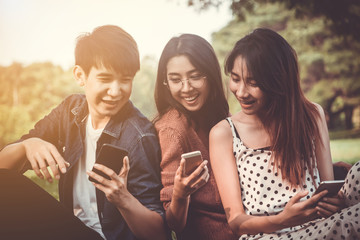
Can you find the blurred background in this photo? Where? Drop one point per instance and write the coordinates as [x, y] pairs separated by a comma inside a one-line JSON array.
[[37, 40]]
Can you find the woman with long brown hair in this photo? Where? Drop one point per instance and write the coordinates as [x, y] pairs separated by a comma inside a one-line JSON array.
[[269, 158], [190, 100]]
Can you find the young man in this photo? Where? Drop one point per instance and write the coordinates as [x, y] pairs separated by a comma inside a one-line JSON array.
[[68, 140]]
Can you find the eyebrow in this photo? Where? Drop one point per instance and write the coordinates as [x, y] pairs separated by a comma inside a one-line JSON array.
[[104, 74], [248, 78], [188, 72], [232, 73]]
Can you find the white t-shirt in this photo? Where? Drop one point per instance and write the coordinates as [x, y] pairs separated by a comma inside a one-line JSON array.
[[84, 194]]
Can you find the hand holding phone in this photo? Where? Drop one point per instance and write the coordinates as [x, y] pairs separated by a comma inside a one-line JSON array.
[[110, 156], [192, 161], [333, 187]]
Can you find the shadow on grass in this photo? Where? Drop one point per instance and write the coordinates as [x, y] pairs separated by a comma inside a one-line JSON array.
[[51, 188]]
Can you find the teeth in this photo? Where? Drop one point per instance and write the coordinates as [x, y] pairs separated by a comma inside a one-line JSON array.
[[190, 98]]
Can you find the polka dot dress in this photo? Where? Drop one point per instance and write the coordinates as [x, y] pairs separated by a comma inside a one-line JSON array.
[[265, 193]]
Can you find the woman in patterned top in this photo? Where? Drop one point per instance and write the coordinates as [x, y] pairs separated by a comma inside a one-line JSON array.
[[269, 158]]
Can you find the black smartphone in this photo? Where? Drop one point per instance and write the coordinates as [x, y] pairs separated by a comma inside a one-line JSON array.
[[332, 186], [110, 156], [192, 161]]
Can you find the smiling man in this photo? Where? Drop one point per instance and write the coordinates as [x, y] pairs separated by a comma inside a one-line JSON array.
[[126, 205]]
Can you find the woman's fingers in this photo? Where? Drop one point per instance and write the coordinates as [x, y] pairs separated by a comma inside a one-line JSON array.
[[201, 181], [181, 169], [297, 197], [198, 173]]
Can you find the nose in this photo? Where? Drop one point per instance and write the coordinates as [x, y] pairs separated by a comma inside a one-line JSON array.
[[114, 89], [185, 86], [241, 90]]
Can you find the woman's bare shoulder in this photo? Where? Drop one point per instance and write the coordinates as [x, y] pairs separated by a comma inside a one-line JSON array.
[[221, 130]]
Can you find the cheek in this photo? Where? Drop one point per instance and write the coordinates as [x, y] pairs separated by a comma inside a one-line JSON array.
[[232, 87], [173, 93], [127, 89]]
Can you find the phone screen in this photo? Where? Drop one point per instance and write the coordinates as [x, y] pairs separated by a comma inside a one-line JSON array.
[[192, 161], [110, 156]]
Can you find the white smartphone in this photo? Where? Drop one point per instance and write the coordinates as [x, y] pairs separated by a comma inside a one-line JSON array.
[[192, 161], [332, 186]]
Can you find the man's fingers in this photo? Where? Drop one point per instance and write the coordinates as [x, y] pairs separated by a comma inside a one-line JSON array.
[[108, 171], [35, 167], [99, 186], [49, 161], [126, 166], [58, 159], [97, 177], [43, 167]]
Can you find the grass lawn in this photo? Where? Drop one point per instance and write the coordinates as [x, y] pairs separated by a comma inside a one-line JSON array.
[[51, 188], [347, 150]]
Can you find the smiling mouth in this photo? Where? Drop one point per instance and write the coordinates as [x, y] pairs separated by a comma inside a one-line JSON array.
[[247, 103], [111, 102], [191, 99]]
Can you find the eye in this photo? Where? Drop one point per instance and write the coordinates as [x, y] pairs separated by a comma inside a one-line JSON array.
[[252, 83], [196, 77], [126, 80], [174, 80], [234, 78]]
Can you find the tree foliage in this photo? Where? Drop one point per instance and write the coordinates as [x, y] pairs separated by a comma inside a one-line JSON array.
[[342, 16], [28, 93], [144, 86]]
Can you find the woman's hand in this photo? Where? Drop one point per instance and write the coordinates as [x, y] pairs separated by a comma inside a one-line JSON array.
[[327, 206], [115, 189], [296, 212], [184, 185]]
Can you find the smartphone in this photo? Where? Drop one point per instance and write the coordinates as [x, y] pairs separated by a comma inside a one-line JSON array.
[[192, 161], [110, 156], [332, 186]]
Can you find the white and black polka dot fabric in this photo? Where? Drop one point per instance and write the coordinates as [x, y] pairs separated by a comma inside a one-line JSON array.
[[264, 192]]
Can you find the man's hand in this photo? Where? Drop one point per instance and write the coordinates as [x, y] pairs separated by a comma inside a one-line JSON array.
[[115, 189], [42, 154]]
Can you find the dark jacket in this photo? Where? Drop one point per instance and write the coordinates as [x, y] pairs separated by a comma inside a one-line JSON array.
[[129, 129]]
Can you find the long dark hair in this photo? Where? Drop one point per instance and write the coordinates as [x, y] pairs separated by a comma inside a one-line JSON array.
[[201, 54], [289, 117]]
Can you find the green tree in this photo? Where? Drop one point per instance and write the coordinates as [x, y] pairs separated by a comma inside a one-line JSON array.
[[342, 16], [28, 93], [143, 87]]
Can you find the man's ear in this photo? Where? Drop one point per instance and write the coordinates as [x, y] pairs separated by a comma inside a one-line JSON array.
[[79, 75]]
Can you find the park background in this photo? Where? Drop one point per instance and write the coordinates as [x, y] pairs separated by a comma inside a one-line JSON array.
[[36, 76]]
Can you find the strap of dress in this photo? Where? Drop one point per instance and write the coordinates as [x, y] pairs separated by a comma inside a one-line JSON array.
[[233, 130]]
